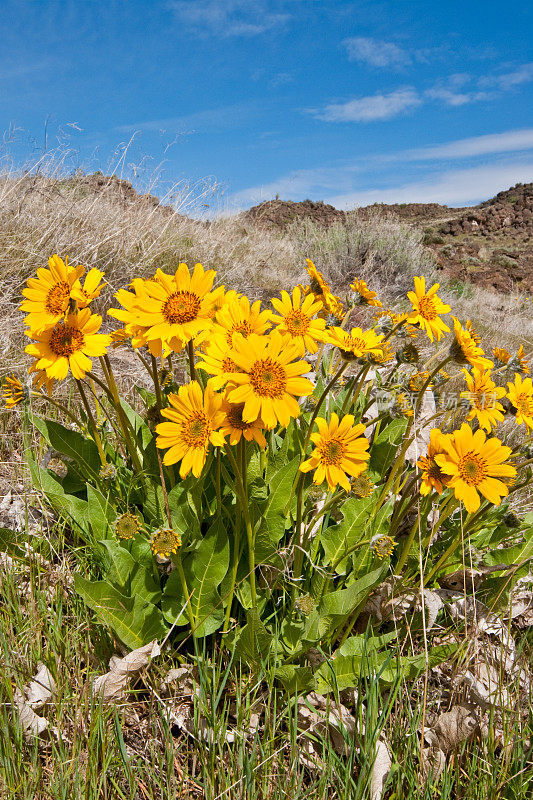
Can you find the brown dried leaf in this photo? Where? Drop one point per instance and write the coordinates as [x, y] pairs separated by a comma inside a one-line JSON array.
[[112, 685], [380, 770], [41, 687]]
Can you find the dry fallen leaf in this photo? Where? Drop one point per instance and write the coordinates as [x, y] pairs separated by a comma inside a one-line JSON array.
[[380, 770], [112, 685], [41, 687], [35, 695]]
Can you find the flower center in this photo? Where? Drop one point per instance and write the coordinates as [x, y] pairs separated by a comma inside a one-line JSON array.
[[235, 419], [472, 469], [296, 323], [66, 340], [524, 404], [426, 308], [228, 365], [268, 378], [57, 298], [196, 430], [165, 541], [332, 452], [181, 307], [240, 327], [315, 286]]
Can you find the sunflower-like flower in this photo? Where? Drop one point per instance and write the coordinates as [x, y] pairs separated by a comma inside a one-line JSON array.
[[48, 295], [501, 355], [216, 361], [383, 356], [523, 362], [356, 343], [483, 395], [475, 466], [13, 391], [92, 286], [317, 283], [341, 450], [126, 525], [168, 310], [521, 396], [426, 309], [472, 331], [235, 427], [119, 338], [195, 419], [432, 475], [269, 379], [40, 379], [241, 316], [464, 349], [417, 381], [295, 318], [364, 296], [164, 542], [70, 344]]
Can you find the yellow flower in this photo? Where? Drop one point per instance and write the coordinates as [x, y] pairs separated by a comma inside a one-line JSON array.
[[164, 542], [366, 296], [168, 310], [432, 475], [70, 344], [119, 337], [333, 310], [472, 331], [341, 450], [295, 318], [41, 379], [127, 525], [521, 396], [383, 356], [195, 418], [475, 466], [239, 316], [426, 309], [464, 349], [269, 380], [502, 355], [522, 360], [317, 283], [483, 395], [13, 391], [355, 344], [91, 289], [235, 427], [417, 381], [48, 295], [217, 361]]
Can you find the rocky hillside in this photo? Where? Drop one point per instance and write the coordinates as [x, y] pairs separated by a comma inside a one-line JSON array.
[[490, 244]]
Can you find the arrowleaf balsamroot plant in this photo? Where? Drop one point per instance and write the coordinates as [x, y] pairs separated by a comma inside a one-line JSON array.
[[294, 470]]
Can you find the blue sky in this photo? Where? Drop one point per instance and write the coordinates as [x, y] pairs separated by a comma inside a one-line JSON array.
[[347, 102]]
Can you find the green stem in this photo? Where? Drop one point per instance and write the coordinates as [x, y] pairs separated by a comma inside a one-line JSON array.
[[190, 353], [157, 385], [247, 522], [92, 423], [130, 445], [60, 406], [235, 566]]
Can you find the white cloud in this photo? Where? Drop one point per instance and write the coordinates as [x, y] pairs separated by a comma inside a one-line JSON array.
[[229, 17], [222, 118], [508, 80], [452, 98], [376, 52], [459, 187], [371, 108], [508, 141]]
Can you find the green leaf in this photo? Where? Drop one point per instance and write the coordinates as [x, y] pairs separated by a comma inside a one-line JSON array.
[[119, 563], [135, 621], [10, 544], [269, 516], [295, 679], [338, 540], [515, 554], [337, 606], [253, 642], [71, 444], [74, 510], [101, 513]]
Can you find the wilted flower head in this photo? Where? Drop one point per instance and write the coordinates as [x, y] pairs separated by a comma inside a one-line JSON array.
[[382, 545], [127, 525], [164, 542], [13, 391]]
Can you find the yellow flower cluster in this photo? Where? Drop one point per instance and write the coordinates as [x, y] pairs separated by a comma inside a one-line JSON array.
[[60, 323]]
